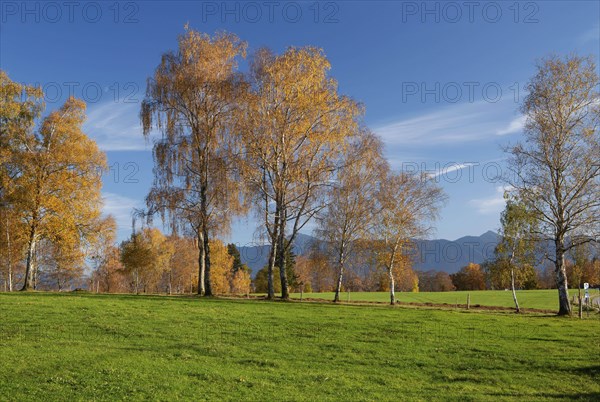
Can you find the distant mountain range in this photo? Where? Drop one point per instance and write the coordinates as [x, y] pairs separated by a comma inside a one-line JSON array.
[[440, 255]]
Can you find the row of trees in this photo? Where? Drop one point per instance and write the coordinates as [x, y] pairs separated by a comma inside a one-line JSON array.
[[282, 141], [150, 262], [278, 139]]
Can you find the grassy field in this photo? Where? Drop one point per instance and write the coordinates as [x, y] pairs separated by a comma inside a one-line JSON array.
[[106, 347], [535, 299]]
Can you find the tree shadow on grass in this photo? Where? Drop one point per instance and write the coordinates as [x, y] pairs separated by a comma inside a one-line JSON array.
[[592, 371]]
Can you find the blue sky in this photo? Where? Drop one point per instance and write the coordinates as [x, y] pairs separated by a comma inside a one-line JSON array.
[[441, 81]]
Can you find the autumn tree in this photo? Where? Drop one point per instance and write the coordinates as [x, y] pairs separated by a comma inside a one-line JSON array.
[[351, 201], [12, 243], [469, 277], [296, 128], [109, 274], [517, 243], [59, 267], [55, 190], [222, 267], [193, 100], [408, 204], [443, 282], [145, 256], [323, 273], [20, 106], [435, 281], [241, 275], [102, 250], [555, 171], [181, 275], [241, 282], [304, 273]]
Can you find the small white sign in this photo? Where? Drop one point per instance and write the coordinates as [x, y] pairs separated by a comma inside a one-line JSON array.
[[586, 285]]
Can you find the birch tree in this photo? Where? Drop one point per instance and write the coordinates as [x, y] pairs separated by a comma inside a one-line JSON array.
[[145, 257], [556, 169], [20, 106], [408, 204], [193, 101], [351, 201], [296, 128], [517, 246], [56, 192]]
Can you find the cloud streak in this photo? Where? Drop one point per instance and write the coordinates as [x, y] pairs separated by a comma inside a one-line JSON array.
[[492, 205], [515, 126], [459, 123], [120, 207], [115, 126]]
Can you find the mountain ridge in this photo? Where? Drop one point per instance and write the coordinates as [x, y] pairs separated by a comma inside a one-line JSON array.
[[429, 254]]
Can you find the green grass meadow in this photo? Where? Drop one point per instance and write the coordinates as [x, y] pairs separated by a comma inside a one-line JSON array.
[[82, 346], [528, 299]]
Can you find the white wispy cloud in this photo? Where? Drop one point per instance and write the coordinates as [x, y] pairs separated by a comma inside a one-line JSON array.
[[115, 126], [493, 204], [459, 123], [515, 126], [120, 207], [591, 35], [449, 169]]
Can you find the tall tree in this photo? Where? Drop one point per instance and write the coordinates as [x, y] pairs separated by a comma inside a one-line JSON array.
[[351, 201], [297, 126], [102, 252], [223, 268], [517, 245], [56, 190], [555, 170], [193, 99], [407, 206], [20, 106], [183, 265], [145, 256]]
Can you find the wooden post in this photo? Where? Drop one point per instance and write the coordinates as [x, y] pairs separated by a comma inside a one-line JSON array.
[[348, 296], [468, 301]]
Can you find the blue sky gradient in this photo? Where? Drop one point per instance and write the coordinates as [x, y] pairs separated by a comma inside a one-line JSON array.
[[441, 81]]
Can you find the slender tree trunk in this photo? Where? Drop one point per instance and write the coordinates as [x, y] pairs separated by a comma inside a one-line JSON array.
[[281, 258], [512, 285], [137, 281], [391, 275], [10, 276], [338, 287], [270, 269], [201, 263], [392, 286], [170, 282], [580, 307], [207, 283], [273, 254], [30, 265], [561, 280]]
